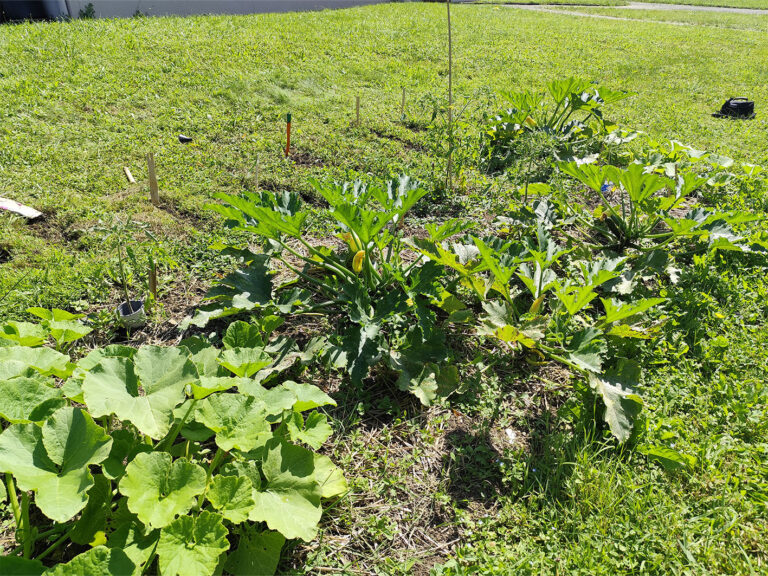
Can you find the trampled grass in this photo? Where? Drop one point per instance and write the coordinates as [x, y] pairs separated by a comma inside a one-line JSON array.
[[501, 482]]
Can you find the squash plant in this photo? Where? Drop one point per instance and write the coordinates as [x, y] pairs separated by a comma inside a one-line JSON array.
[[571, 124], [185, 460], [574, 286], [384, 304]]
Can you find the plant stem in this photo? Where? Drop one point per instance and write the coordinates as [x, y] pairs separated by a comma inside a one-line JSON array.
[[13, 497], [52, 531], [55, 545], [171, 438], [123, 277], [27, 534], [218, 458]]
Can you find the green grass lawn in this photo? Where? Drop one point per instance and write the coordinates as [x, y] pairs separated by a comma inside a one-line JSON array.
[[501, 482], [83, 99]]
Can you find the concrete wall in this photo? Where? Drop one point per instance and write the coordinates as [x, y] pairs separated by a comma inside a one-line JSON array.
[[127, 8]]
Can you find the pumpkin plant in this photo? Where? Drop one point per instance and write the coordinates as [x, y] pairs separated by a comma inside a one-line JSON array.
[[180, 460]]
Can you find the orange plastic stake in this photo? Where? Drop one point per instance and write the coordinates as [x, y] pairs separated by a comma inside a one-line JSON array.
[[288, 140]]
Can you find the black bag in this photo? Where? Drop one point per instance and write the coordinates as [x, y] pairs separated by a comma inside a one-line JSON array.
[[737, 108]]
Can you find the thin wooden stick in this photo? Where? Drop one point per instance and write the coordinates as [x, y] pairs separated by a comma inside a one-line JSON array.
[[129, 175], [450, 100], [402, 106], [153, 280], [357, 108], [154, 192]]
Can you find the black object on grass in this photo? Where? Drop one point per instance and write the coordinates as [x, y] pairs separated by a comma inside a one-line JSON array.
[[737, 108], [184, 139]]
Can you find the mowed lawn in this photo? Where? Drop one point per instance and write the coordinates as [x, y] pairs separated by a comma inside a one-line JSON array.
[[444, 490]]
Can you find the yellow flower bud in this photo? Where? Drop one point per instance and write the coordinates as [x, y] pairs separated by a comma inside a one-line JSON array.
[[357, 261]]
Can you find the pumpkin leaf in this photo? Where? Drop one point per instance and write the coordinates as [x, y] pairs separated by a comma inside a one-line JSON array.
[[192, 545], [159, 489]]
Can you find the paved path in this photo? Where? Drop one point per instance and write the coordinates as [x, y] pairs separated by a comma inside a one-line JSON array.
[[690, 8], [562, 9]]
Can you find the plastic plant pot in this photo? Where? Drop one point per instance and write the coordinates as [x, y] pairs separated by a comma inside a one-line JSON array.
[[132, 314]]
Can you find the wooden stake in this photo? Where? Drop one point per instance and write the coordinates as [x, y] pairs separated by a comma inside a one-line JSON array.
[[357, 109], [449, 176], [129, 175], [153, 280], [154, 192], [402, 106], [288, 139]]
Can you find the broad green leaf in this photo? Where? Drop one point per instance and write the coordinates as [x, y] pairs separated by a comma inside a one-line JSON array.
[[257, 553], [64, 326], [276, 400], [143, 391], [53, 460], [159, 489], [587, 349], [99, 561], [15, 566], [125, 446], [136, 540], [422, 384], [19, 360], [203, 355], [329, 477], [192, 545], [243, 468], [94, 516], [289, 500], [54, 315], [242, 335], [308, 396], [29, 399], [67, 331], [616, 387], [313, 432], [211, 384], [615, 310], [244, 362], [589, 174], [668, 458], [232, 497], [24, 333], [574, 298], [74, 441], [239, 421], [243, 290]]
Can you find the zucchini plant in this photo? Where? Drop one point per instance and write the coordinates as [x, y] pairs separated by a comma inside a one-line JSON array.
[[571, 125], [184, 460], [382, 302]]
